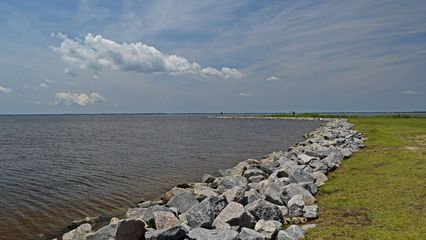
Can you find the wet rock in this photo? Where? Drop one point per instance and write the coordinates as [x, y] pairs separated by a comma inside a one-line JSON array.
[[234, 215], [262, 209], [182, 201], [204, 213], [214, 234], [130, 229], [178, 232], [207, 178], [80, 233], [295, 232], [296, 205], [90, 220], [165, 219], [250, 234], [310, 211], [268, 228]]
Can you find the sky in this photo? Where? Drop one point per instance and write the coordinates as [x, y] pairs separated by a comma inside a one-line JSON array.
[[63, 56]]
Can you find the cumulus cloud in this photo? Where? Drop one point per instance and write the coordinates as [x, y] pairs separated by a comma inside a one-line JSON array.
[[80, 99], [410, 92], [5, 89], [272, 78], [98, 53], [246, 94]]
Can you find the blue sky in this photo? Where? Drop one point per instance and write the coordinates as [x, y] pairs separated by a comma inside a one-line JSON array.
[[212, 56]]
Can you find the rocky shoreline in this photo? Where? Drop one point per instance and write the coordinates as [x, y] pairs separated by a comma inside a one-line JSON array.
[[272, 198]]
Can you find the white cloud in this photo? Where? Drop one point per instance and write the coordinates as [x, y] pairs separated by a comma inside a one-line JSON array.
[[38, 103], [410, 92], [97, 53], [49, 81], [44, 85], [95, 77], [80, 99], [246, 94], [5, 89], [272, 78]]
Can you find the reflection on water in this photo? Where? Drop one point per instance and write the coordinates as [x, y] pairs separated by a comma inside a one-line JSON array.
[[54, 169]]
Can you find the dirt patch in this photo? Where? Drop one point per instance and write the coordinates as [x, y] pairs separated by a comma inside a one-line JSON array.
[[413, 148], [357, 216], [421, 140]]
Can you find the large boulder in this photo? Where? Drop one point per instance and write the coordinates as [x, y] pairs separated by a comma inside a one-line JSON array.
[[213, 234], [293, 189], [202, 192], [174, 191], [283, 235], [106, 233], [182, 201], [262, 209], [165, 219], [300, 175], [80, 233], [251, 196], [228, 182], [146, 214], [268, 228], [295, 232], [250, 234], [130, 229], [273, 191], [296, 205], [203, 213], [178, 232], [234, 216], [320, 178], [235, 194]]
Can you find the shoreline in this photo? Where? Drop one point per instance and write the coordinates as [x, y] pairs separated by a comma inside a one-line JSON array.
[[254, 198]]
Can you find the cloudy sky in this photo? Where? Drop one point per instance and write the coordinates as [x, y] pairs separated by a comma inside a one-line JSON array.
[[211, 56]]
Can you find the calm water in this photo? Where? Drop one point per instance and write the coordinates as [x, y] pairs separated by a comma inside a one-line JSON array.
[[54, 169]]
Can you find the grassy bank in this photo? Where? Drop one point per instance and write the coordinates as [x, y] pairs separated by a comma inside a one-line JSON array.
[[380, 192]]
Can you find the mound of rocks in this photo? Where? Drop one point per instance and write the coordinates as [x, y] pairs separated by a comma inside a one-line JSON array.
[[253, 200]]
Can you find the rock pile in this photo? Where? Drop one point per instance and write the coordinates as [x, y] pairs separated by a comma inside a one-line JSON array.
[[252, 201]]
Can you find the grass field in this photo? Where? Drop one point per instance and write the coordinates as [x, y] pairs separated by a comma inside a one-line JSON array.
[[380, 191]]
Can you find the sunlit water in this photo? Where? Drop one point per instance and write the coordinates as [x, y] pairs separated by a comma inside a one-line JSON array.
[[54, 169]]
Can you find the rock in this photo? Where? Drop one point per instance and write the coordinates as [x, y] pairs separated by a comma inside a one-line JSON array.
[[283, 235], [235, 194], [254, 172], [250, 234], [305, 159], [262, 209], [207, 178], [178, 232], [295, 206], [165, 219], [298, 220], [114, 220], [301, 176], [333, 160], [182, 201], [294, 189], [317, 166], [174, 191], [130, 229], [145, 214], [251, 196], [234, 215], [306, 227], [228, 182], [90, 220], [346, 152], [214, 234], [256, 179], [204, 192], [310, 211], [272, 192], [295, 232], [268, 228], [320, 178], [284, 210], [106, 233], [203, 213], [80, 233]]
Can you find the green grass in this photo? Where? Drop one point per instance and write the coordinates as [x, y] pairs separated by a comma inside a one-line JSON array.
[[380, 191]]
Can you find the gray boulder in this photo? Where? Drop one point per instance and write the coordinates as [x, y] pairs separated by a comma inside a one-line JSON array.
[[295, 232], [130, 229], [234, 216], [228, 182], [182, 201], [296, 205], [283, 235], [301, 176], [320, 178], [165, 219], [80, 233], [251, 196], [262, 209], [293, 189], [106, 233], [310, 211], [235, 194], [273, 192], [145, 214], [256, 179], [252, 172], [268, 228], [202, 192], [250, 234], [178, 232], [203, 213], [214, 234], [174, 191]]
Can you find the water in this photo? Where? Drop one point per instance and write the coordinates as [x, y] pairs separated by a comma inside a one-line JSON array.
[[54, 169]]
